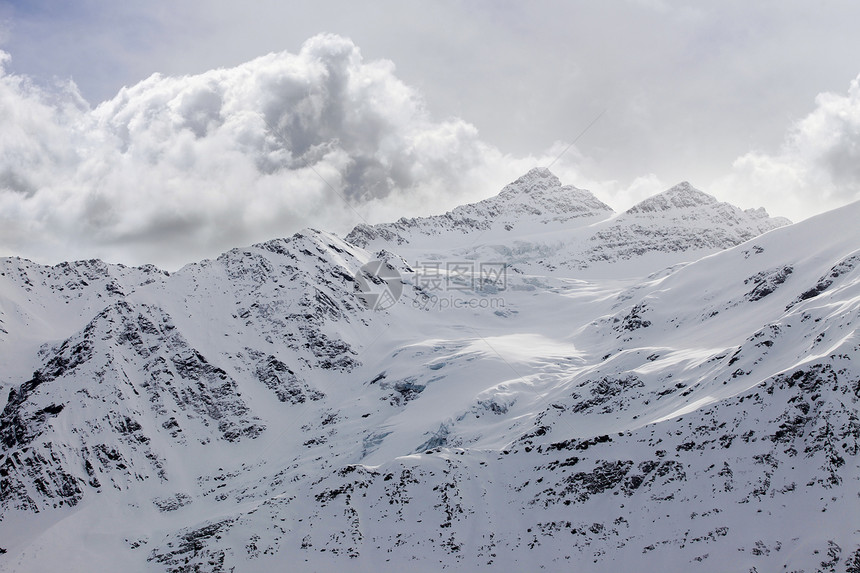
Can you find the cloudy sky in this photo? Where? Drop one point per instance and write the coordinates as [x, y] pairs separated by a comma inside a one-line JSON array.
[[167, 132]]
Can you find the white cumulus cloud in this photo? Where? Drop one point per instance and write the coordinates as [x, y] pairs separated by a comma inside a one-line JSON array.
[[176, 168], [817, 167]]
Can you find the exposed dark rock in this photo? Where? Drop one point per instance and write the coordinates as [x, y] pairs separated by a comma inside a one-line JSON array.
[[765, 282]]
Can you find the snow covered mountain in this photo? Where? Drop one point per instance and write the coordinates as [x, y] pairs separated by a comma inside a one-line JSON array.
[[534, 200], [680, 220], [672, 388], [537, 224]]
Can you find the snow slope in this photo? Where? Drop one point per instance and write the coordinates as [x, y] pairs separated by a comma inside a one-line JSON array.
[[250, 414]]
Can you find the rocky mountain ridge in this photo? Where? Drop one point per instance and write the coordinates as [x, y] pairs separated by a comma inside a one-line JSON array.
[[538, 223], [538, 197]]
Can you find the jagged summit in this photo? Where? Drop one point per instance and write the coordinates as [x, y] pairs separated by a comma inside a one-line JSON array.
[[681, 196], [538, 198], [681, 222], [685, 203], [536, 221], [537, 178]]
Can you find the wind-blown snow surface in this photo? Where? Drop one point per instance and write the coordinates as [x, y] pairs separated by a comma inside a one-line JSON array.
[[249, 414]]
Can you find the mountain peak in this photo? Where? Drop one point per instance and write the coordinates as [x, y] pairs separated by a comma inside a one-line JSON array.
[[536, 198], [681, 196], [536, 178], [537, 181]]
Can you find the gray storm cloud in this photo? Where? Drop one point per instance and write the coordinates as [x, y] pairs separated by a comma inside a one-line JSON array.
[[175, 168]]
